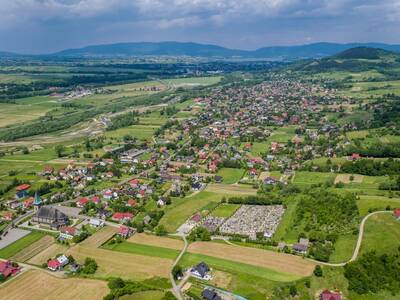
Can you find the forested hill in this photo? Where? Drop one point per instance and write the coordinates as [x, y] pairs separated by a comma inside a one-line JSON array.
[[352, 60], [293, 52]]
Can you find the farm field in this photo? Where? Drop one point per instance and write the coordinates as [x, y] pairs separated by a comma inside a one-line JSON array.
[[148, 295], [153, 240], [125, 265], [100, 237], [33, 249], [279, 262], [193, 81], [367, 202], [230, 190], [38, 285], [230, 175], [303, 178], [137, 131], [20, 244], [42, 257]]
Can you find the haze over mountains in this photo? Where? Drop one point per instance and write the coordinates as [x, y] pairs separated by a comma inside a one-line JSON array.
[[316, 50]]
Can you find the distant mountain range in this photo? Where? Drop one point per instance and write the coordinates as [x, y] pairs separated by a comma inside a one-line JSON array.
[[316, 50]]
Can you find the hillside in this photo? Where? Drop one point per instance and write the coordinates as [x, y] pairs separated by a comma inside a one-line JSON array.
[[316, 50], [354, 59]]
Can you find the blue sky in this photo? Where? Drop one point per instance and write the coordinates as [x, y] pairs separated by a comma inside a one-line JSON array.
[[44, 26]]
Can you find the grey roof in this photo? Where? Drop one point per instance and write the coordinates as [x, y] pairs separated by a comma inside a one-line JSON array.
[[49, 212]]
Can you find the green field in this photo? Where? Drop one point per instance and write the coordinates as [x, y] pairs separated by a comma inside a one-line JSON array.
[[367, 202], [141, 249], [382, 234], [137, 131], [148, 295], [20, 244], [303, 178], [230, 175], [182, 208], [225, 210]]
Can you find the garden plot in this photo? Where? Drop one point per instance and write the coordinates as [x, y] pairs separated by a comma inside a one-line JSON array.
[[250, 219], [348, 178]]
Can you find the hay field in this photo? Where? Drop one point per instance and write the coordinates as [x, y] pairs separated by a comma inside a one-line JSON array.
[[233, 189], [47, 253], [268, 259], [100, 237], [125, 265], [33, 249], [345, 178], [39, 285], [153, 240]]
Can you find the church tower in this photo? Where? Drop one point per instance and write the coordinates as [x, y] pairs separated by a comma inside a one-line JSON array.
[[37, 202]]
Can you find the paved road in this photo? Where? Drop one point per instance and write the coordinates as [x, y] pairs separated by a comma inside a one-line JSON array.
[[359, 241], [175, 288]]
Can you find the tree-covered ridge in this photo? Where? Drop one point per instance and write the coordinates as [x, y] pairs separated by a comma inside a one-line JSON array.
[[373, 273]]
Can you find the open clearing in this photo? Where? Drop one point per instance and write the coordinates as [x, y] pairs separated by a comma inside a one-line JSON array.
[[153, 240], [47, 253], [40, 285], [345, 178], [230, 175], [234, 189], [268, 259], [33, 249], [125, 265]]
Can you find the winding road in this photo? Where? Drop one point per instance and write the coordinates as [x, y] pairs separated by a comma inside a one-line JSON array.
[[359, 241]]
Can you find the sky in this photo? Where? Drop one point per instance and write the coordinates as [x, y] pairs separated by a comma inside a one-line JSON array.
[[46, 26]]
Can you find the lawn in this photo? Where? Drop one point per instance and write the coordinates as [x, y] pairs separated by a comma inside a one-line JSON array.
[[137, 131], [344, 248], [382, 234], [182, 208], [19, 245], [148, 295], [225, 210], [367, 202], [230, 175]]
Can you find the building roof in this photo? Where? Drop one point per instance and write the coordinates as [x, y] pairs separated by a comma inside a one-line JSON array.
[[396, 212], [328, 295], [202, 268], [53, 264], [208, 294], [49, 212], [37, 201], [22, 187]]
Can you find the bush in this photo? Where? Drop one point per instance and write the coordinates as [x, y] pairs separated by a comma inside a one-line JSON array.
[[318, 271], [89, 267]]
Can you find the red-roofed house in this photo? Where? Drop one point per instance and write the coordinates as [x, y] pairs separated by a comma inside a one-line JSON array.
[[328, 295], [134, 183], [122, 217], [354, 156], [8, 269], [53, 265], [68, 232], [22, 191], [131, 202], [28, 202], [82, 202], [124, 232], [396, 213]]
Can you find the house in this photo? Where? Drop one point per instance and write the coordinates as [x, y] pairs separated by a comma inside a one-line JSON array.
[[209, 294], [8, 216], [354, 156], [63, 260], [328, 295], [53, 265], [201, 271], [7, 268], [218, 179], [270, 181], [396, 213], [68, 232], [131, 202], [48, 170], [160, 202], [96, 223], [122, 217], [22, 191], [82, 202], [302, 246], [28, 203], [134, 183], [51, 217], [124, 232], [14, 204], [74, 267]]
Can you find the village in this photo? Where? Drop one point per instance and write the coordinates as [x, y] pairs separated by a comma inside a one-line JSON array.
[[220, 163]]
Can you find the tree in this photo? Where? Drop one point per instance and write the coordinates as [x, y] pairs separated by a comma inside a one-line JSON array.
[[293, 290], [168, 296], [116, 283], [160, 230], [318, 271], [177, 271], [89, 267], [60, 149]]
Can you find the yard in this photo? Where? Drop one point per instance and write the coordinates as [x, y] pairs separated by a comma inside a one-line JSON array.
[[230, 175]]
